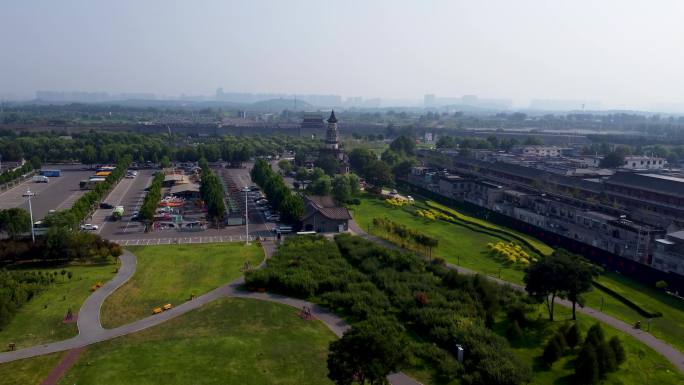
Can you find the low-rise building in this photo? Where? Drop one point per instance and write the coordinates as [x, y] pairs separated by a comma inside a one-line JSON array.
[[323, 215], [669, 253], [639, 162]]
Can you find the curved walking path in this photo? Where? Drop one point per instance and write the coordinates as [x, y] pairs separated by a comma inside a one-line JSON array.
[[668, 351], [91, 331]]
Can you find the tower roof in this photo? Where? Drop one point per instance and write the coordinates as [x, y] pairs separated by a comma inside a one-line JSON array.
[[332, 118]]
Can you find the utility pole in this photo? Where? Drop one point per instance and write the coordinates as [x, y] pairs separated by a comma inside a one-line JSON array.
[[33, 234], [246, 218]]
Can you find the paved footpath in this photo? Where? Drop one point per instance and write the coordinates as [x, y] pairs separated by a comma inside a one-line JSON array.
[[668, 351], [91, 331]]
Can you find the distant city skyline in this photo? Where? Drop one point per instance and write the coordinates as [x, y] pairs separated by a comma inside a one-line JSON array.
[[387, 49]]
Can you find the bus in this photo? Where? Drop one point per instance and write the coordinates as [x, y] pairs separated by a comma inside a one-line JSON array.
[[103, 173], [90, 183], [106, 168], [51, 173]]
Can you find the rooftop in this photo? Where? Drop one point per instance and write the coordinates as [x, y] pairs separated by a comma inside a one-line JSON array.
[[326, 206]]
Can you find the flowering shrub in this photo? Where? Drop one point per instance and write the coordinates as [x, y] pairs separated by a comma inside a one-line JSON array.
[[396, 202], [510, 252]]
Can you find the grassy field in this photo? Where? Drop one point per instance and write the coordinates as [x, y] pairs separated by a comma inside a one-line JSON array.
[[643, 365], [669, 327], [40, 320], [172, 273], [30, 371], [457, 240], [457, 244], [230, 341]]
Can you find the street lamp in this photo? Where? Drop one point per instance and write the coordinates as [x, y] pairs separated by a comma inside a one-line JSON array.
[[29, 194], [246, 218]]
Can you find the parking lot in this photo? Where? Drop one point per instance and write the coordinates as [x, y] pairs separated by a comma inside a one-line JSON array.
[[58, 194], [130, 194]]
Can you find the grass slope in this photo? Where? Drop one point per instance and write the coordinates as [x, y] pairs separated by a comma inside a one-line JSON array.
[[40, 320], [31, 371], [669, 327], [230, 341], [171, 273], [454, 240], [643, 364]]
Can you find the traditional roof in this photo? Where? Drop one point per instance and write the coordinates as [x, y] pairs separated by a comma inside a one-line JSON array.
[[332, 118], [326, 206]]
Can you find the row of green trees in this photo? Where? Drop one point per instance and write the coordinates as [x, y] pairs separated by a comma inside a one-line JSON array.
[[11, 175], [389, 293], [289, 204], [405, 236], [212, 193], [87, 203], [108, 147], [151, 201]]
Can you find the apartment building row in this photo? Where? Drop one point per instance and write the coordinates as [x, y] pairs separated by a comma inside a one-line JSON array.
[[638, 217]]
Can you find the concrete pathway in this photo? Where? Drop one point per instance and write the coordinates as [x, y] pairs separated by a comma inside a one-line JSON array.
[[668, 351]]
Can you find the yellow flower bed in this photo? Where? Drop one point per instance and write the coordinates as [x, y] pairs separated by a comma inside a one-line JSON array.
[[433, 214], [396, 202], [510, 252]]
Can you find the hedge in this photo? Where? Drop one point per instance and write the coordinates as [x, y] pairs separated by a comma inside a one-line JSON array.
[[628, 302], [538, 247]]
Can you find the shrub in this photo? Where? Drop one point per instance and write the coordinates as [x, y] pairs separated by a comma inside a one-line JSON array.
[[552, 352], [618, 350], [572, 335], [587, 367], [514, 332]]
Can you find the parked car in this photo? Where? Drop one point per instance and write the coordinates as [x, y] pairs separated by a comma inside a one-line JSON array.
[[89, 227], [105, 205], [282, 229]]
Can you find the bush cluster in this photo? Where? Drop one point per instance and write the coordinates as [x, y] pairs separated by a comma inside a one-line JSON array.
[[361, 279], [17, 288], [60, 245], [396, 202], [405, 236], [510, 252]]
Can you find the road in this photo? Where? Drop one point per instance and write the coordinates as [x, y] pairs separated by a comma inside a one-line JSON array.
[[129, 193], [90, 329], [60, 193]]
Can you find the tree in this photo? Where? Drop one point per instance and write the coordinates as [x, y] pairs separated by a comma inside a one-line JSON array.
[[321, 186], [165, 162], [292, 208], [15, 221], [329, 164], [560, 274], [613, 159], [587, 367], [572, 335], [354, 184], [367, 352], [552, 352], [285, 166], [360, 157], [378, 174], [341, 190], [403, 145], [89, 155], [514, 332], [618, 350]]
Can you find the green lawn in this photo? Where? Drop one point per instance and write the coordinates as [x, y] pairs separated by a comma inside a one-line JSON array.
[[230, 341], [669, 327], [172, 273], [643, 364], [31, 371], [454, 240], [40, 320], [457, 240]]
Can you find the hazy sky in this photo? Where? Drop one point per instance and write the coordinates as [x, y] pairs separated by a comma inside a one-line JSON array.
[[619, 52]]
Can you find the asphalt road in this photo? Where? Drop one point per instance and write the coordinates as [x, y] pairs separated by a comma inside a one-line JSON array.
[[60, 193], [130, 194]]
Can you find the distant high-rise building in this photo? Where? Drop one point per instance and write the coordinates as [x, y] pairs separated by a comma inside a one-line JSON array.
[[429, 100]]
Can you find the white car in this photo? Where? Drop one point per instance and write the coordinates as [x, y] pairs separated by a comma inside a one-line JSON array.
[[89, 227]]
